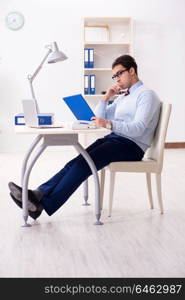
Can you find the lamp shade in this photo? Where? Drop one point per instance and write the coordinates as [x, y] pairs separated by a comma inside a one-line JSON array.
[[55, 54]]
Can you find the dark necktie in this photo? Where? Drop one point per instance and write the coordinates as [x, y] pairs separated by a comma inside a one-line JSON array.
[[127, 93]]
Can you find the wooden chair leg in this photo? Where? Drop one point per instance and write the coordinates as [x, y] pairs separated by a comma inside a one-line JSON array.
[[102, 184], [149, 188], [111, 191], [159, 192]]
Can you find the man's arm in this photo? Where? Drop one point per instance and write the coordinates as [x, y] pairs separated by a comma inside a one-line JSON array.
[[104, 111], [147, 106]]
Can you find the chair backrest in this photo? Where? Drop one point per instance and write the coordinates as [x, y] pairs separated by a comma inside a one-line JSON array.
[[156, 151]]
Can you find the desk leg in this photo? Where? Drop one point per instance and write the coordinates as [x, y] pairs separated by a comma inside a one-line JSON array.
[[25, 184], [27, 155], [85, 184], [92, 166], [86, 193]]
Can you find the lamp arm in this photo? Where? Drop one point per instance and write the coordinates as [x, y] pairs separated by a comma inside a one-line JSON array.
[[31, 77]]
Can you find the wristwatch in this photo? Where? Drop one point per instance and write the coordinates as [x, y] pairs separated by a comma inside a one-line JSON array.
[[109, 125]]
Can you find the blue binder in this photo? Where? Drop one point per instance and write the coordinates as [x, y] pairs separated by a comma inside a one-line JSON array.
[[79, 107], [91, 58], [92, 84], [86, 84], [44, 119], [86, 58]]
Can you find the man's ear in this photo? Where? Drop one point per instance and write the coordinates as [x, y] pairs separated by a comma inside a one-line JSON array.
[[132, 71]]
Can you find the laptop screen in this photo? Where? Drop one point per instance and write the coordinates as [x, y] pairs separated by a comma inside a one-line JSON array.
[[79, 107], [30, 112]]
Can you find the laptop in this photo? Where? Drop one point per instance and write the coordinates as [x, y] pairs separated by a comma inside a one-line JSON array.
[[79, 107], [31, 115]]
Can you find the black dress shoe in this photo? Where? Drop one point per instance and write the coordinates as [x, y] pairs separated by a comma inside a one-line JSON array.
[[33, 214], [15, 190], [33, 202]]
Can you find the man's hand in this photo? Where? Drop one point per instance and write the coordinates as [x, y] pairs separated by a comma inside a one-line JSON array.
[[112, 91], [100, 122]]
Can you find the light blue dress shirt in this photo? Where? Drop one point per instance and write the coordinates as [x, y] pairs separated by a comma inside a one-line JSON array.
[[134, 116]]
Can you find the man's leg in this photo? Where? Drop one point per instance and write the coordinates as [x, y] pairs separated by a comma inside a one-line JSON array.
[[47, 187], [108, 150]]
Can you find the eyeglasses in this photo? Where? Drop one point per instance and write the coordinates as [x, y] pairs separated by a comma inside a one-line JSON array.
[[118, 74]]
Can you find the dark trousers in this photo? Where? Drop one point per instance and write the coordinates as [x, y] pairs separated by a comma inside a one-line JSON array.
[[103, 151]]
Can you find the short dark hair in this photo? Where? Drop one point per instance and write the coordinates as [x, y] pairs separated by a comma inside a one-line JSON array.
[[126, 61]]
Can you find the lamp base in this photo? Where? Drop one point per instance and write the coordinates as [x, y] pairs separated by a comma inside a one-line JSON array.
[[44, 119]]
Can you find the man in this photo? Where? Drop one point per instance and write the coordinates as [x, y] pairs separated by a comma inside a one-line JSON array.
[[132, 119]]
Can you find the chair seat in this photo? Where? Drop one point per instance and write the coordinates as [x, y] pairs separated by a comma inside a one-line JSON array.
[[145, 166]]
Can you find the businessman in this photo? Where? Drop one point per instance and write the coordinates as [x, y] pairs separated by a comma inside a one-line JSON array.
[[132, 118]]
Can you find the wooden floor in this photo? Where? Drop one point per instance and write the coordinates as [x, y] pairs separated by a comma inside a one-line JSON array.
[[134, 242]]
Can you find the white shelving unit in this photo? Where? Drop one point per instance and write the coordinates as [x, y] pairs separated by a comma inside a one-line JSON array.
[[119, 42]]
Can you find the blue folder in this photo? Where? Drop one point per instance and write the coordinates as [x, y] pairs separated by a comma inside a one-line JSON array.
[[91, 58], [79, 107], [92, 84], [86, 84], [86, 58]]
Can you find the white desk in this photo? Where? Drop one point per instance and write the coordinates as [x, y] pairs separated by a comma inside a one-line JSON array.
[[56, 137]]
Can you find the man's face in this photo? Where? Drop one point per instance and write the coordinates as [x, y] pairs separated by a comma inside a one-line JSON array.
[[122, 76]]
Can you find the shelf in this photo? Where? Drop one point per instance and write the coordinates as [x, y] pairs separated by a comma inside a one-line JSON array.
[[98, 95], [98, 20], [107, 44], [119, 41], [94, 96], [97, 69]]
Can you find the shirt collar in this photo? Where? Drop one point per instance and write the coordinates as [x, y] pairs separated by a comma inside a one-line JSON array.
[[135, 86]]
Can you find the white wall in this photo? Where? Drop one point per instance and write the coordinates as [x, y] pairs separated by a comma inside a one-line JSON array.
[[159, 47]]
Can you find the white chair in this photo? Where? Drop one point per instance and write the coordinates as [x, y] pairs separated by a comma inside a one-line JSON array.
[[151, 163]]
